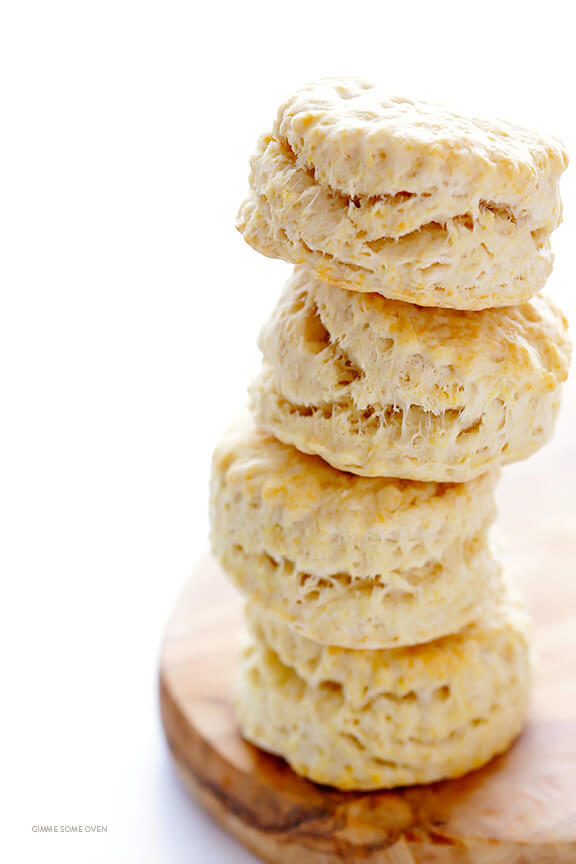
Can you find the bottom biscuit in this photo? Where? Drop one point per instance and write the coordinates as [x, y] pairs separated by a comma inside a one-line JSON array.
[[358, 719]]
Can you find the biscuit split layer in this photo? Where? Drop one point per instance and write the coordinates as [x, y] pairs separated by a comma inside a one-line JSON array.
[[403, 198], [383, 388], [377, 719], [347, 560]]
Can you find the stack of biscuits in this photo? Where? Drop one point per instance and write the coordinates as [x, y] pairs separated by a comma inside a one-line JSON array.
[[409, 356]]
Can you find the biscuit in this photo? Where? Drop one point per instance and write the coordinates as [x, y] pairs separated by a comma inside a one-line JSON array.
[[383, 388], [404, 198], [377, 719], [348, 560]]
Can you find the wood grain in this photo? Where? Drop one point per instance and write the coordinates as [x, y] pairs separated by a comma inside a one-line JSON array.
[[520, 809]]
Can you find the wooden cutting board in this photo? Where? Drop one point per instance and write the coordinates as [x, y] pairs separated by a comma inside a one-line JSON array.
[[520, 809]]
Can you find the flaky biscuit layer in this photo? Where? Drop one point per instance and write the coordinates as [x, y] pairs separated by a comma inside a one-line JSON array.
[[383, 388], [429, 206], [393, 608], [463, 262], [362, 562], [270, 497], [375, 719]]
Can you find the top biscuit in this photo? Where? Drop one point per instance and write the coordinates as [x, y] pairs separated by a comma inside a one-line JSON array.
[[362, 142], [403, 198]]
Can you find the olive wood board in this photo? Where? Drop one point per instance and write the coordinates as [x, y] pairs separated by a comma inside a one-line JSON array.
[[519, 809]]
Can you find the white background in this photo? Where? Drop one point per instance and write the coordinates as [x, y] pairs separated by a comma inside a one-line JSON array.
[[128, 319]]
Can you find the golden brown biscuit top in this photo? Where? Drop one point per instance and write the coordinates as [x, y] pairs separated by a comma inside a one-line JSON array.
[[361, 141]]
